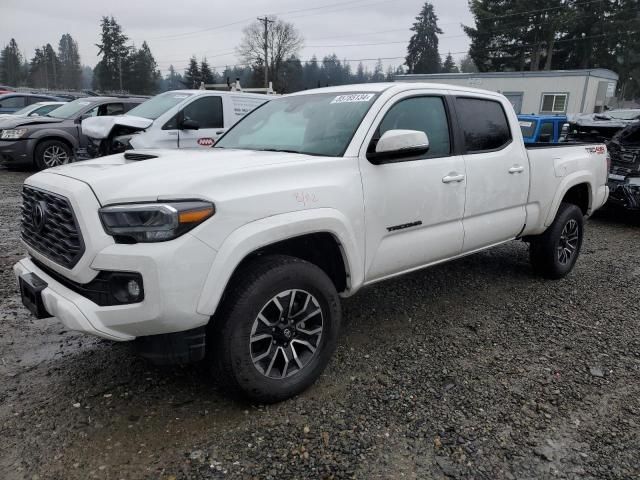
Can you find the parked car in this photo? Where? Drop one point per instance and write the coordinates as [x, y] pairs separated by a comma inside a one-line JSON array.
[[5, 89], [175, 119], [34, 110], [239, 254], [624, 176], [542, 128], [12, 102], [55, 139]]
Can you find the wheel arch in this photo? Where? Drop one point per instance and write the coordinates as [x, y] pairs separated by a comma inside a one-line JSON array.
[[54, 136], [576, 190], [324, 240]]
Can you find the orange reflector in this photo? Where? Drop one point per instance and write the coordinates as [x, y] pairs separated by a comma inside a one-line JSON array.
[[194, 216]]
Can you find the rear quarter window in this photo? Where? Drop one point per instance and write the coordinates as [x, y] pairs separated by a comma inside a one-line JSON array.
[[484, 124]]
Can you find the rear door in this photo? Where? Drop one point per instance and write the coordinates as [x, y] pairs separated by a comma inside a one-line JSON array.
[[207, 111], [413, 206], [497, 172]]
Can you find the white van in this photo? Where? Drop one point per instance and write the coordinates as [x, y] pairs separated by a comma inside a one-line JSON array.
[[174, 119]]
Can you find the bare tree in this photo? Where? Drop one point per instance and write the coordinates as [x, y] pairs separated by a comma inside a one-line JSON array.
[[283, 42]]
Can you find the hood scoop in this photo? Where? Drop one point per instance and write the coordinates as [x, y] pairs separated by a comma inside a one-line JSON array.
[[134, 156]]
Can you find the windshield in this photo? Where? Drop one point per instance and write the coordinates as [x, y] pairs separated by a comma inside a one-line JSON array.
[[26, 110], [158, 105], [528, 128], [314, 124], [623, 114], [70, 109]]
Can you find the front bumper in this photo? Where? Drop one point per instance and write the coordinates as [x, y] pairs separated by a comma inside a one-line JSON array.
[[173, 274], [16, 152]]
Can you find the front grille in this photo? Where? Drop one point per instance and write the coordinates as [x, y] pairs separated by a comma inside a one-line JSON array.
[[50, 227]]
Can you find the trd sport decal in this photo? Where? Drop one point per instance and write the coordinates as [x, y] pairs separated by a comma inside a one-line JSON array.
[[205, 142]]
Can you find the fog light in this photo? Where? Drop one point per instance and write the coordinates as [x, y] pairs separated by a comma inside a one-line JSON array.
[[127, 287], [133, 289]]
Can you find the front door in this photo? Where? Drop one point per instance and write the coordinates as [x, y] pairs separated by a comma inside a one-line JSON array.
[[207, 113], [497, 174], [413, 207]]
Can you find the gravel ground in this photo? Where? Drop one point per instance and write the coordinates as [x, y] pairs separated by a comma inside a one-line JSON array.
[[474, 369]]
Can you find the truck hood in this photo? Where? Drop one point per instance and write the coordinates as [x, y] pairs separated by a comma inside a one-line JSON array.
[[100, 127], [14, 121], [167, 174]]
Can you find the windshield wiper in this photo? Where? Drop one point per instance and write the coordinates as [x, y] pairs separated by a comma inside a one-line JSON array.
[[280, 150]]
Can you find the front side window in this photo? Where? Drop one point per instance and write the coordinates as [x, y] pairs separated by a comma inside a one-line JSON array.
[[554, 103], [207, 111], [313, 124], [111, 109], [484, 124], [425, 114]]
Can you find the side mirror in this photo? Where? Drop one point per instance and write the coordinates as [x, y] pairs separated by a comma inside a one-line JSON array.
[[398, 144], [188, 124]]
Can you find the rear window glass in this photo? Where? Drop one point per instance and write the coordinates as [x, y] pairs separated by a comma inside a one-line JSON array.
[[528, 127], [484, 124]]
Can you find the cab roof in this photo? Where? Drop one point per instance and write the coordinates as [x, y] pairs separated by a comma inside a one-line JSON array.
[[394, 87]]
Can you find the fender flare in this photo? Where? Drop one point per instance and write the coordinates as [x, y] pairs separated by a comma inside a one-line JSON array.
[[264, 232], [568, 182]]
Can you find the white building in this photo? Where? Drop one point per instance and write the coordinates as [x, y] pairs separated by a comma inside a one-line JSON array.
[[540, 92]]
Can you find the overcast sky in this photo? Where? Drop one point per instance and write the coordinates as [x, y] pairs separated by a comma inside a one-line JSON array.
[[175, 30]]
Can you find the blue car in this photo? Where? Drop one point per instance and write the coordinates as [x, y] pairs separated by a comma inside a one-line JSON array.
[[542, 128], [12, 102]]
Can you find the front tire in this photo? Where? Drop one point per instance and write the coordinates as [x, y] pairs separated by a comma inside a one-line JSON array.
[[276, 329], [52, 153], [554, 253]]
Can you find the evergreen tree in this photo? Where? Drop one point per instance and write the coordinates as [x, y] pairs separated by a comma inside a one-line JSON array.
[[378, 72], [110, 71], [206, 75], [467, 65], [192, 76], [143, 75], [361, 74], [38, 75], [449, 66], [422, 52], [173, 80], [70, 74], [52, 66], [10, 64]]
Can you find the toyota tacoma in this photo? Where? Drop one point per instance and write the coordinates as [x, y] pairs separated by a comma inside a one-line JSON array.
[[238, 255]]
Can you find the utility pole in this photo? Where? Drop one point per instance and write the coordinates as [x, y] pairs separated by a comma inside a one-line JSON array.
[[120, 70], [266, 22]]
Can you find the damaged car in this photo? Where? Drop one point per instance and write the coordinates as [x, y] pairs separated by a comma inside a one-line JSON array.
[[624, 175]]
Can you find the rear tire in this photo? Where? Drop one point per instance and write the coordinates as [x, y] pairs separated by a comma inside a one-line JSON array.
[[52, 153], [554, 253], [259, 345]]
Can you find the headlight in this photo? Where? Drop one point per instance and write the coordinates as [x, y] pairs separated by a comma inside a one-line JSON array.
[[13, 134], [153, 222]]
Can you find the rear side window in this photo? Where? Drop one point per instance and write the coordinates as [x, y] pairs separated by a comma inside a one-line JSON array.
[[425, 114], [528, 128], [484, 124], [546, 132], [207, 111], [13, 102]]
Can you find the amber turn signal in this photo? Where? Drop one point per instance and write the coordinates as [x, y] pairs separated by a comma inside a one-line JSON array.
[[196, 216]]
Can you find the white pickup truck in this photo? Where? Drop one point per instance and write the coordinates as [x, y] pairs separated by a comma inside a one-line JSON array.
[[239, 254], [174, 119]]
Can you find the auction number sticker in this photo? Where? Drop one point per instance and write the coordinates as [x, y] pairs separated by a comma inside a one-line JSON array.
[[354, 97]]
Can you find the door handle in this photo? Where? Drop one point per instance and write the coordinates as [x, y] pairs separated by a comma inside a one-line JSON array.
[[220, 132], [516, 169], [453, 177]]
